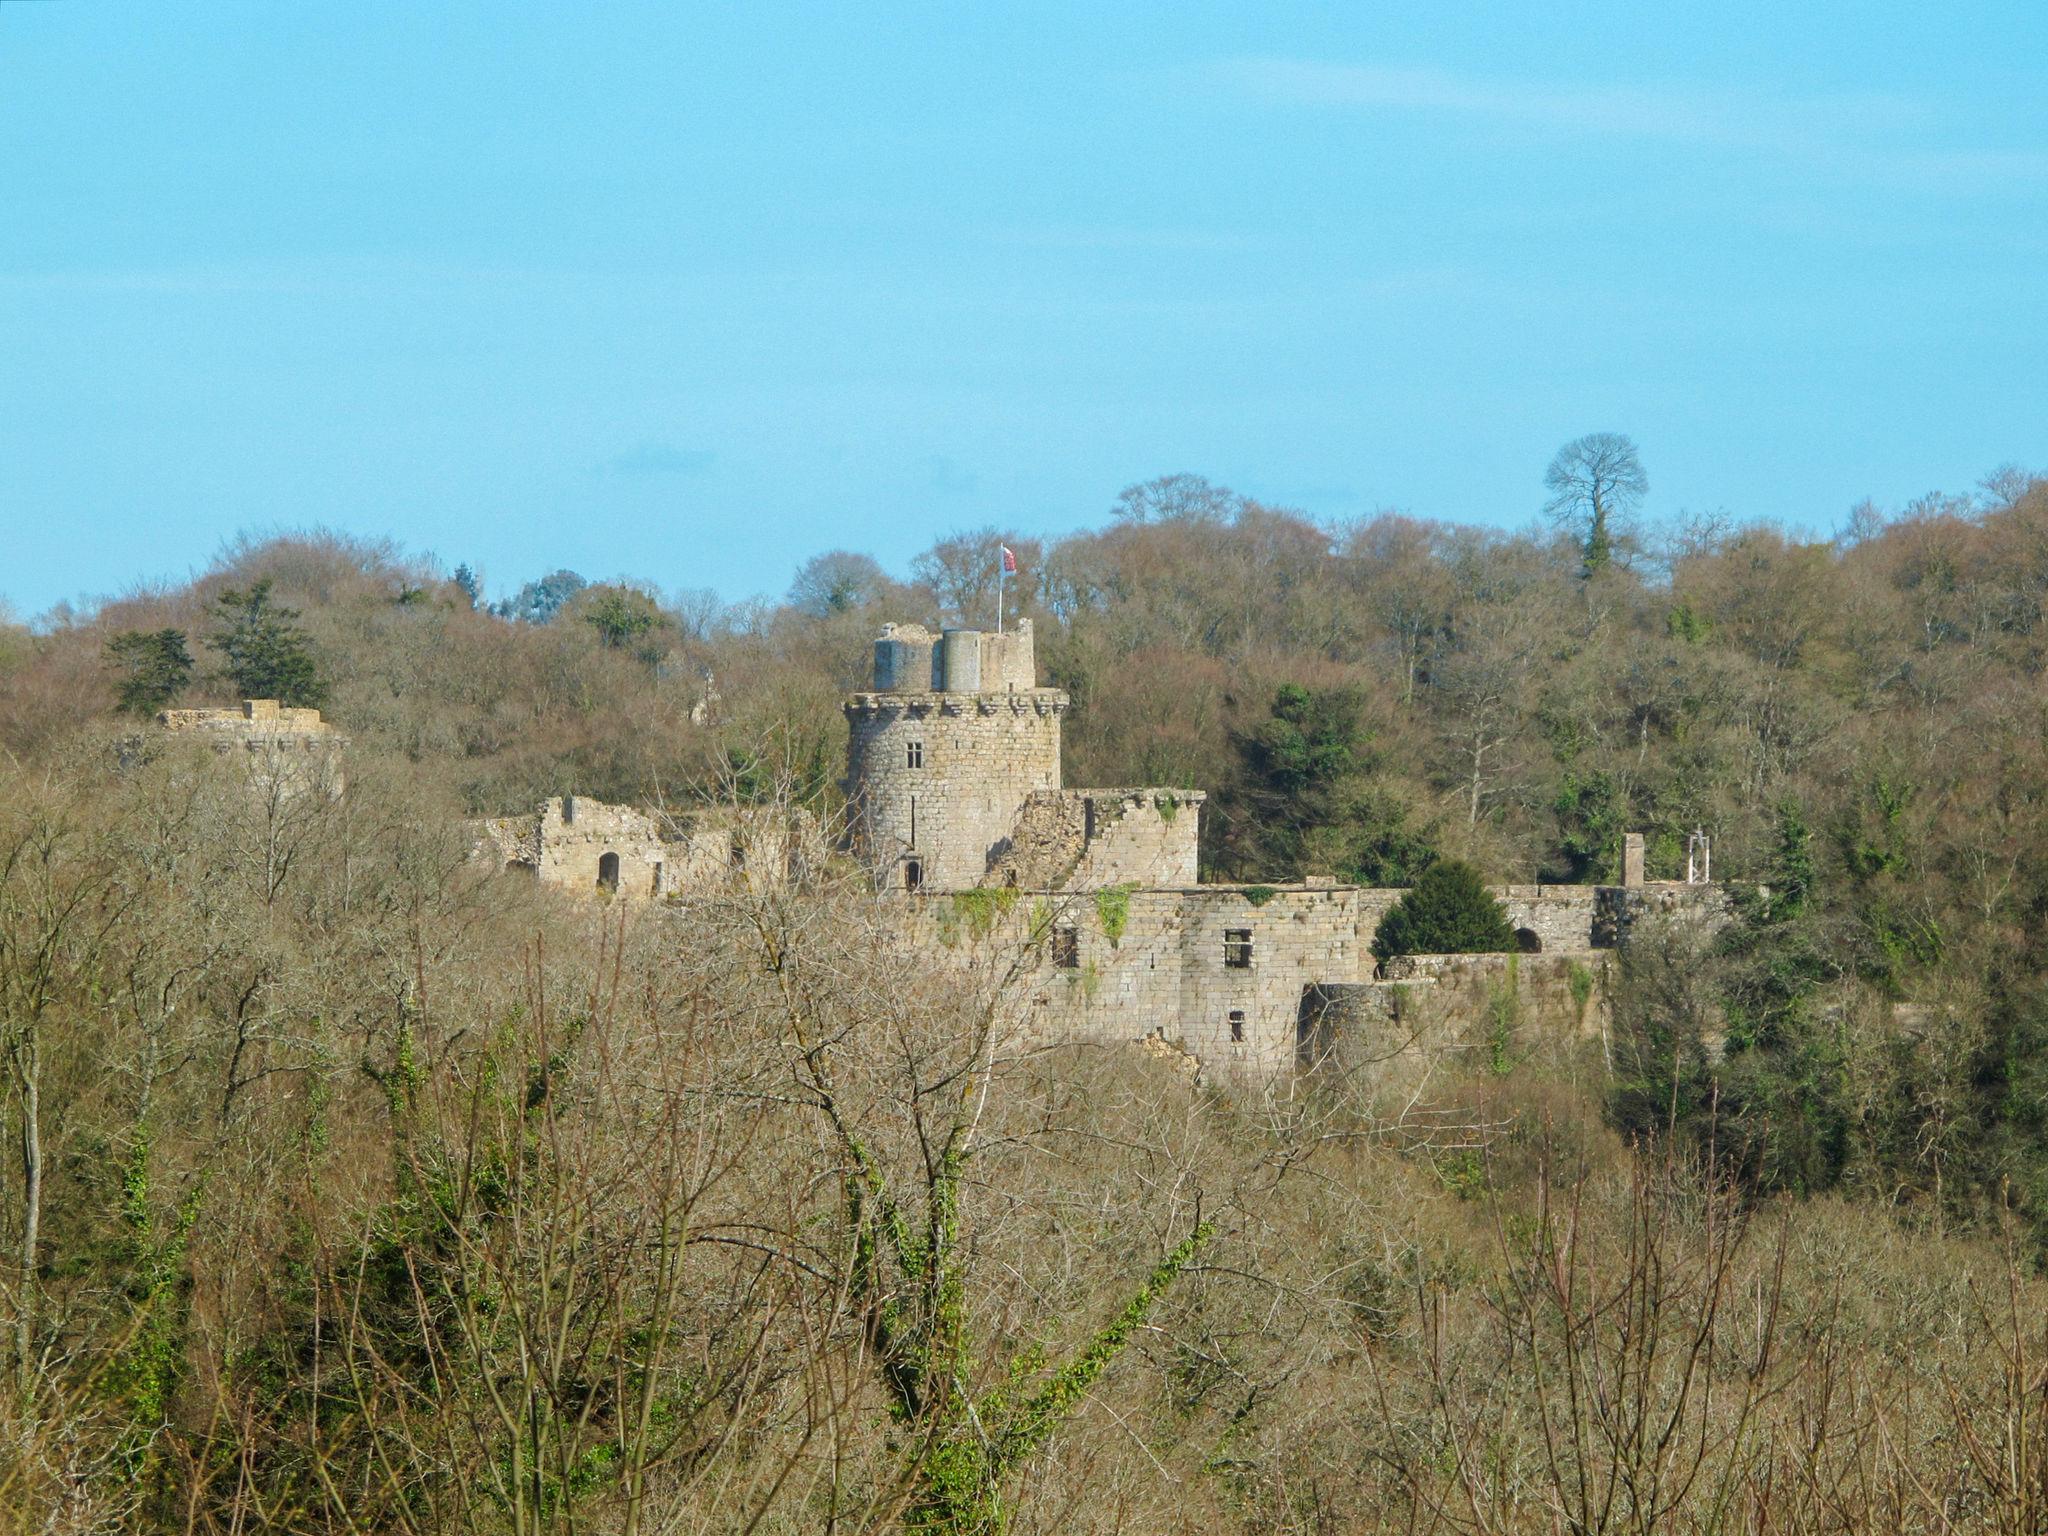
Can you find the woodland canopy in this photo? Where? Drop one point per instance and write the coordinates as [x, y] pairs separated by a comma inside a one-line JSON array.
[[347, 1185]]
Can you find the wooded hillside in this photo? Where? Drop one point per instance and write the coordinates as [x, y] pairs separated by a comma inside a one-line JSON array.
[[350, 1186]]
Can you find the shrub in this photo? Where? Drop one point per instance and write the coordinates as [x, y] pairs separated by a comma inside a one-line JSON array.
[[1449, 911]]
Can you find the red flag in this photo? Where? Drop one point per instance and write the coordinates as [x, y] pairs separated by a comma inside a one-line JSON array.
[[1009, 560]]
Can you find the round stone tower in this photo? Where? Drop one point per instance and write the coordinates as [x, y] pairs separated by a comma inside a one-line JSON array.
[[942, 753]]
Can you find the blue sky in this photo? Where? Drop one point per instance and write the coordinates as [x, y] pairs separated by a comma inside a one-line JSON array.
[[690, 292]]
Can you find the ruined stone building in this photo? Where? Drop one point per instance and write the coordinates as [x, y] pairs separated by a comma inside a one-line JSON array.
[[585, 845], [283, 750], [958, 814], [957, 807]]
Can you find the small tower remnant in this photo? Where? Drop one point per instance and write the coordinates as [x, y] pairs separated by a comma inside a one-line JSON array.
[[943, 751], [1632, 858], [284, 750]]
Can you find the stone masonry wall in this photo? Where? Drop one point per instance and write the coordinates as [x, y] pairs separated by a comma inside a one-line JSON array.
[[1154, 963], [287, 749], [1138, 836], [1440, 1010], [1560, 916], [576, 833], [1083, 839]]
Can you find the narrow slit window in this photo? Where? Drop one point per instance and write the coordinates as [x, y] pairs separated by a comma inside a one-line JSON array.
[[1066, 948], [657, 879], [1237, 948], [1237, 1025], [913, 874]]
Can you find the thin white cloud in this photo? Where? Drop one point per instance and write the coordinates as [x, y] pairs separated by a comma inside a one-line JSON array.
[[661, 459], [1654, 112], [1861, 134]]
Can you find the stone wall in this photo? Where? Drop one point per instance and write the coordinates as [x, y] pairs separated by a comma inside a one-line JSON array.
[[252, 719], [1139, 837], [1156, 964], [1435, 1011], [287, 750], [1082, 839], [577, 833], [1552, 917]]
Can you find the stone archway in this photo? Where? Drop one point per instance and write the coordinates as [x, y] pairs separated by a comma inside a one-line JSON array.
[[1528, 941]]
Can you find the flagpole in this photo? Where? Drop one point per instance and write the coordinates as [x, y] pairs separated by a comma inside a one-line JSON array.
[[999, 589]]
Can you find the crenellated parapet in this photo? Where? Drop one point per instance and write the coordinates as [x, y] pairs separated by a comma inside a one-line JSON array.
[[284, 749]]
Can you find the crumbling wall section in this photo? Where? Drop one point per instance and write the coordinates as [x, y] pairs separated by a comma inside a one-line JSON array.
[[1046, 844], [1433, 1012], [1138, 836]]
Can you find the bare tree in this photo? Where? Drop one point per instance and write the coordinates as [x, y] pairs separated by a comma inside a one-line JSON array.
[[1596, 482], [1181, 498], [837, 581]]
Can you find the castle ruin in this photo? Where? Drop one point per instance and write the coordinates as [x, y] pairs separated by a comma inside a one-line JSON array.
[[954, 787], [957, 814], [283, 750]]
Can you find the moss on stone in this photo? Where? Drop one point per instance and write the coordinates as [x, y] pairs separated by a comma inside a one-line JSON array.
[[1113, 909], [978, 909]]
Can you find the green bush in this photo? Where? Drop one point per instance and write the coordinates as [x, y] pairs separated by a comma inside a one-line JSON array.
[[1449, 911]]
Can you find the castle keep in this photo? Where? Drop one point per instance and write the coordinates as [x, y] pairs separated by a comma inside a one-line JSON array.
[[953, 771]]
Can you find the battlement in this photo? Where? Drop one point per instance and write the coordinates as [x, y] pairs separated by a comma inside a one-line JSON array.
[[255, 717], [1025, 701]]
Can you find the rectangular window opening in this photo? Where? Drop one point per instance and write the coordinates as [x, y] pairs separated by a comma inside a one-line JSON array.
[[914, 755], [1066, 948], [1237, 1025], [1237, 948], [913, 874]]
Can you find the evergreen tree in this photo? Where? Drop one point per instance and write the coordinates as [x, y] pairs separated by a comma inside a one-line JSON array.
[[539, 601], [268, 656], [618, 614], [469, 584], [1309, 798], [154, 666], [1449, 911]]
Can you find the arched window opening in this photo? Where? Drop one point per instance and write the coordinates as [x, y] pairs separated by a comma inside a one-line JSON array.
[[913, 874], [1528, 942], [608, 872]]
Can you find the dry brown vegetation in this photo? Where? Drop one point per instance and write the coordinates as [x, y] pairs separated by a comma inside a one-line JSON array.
[[347, 1186]]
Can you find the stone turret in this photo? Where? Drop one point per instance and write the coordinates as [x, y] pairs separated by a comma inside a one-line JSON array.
[[944, 750]]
